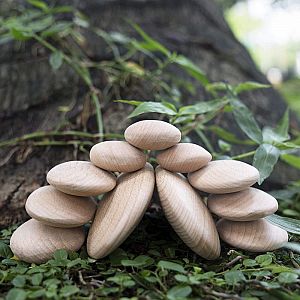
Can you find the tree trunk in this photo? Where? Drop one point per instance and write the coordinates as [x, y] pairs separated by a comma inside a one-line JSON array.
[[31, 93]]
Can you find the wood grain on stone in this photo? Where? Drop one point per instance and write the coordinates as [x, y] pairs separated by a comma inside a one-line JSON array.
[[255, 236], [187, 214], [117, 156], [35, 242], [247, 205], [54, 208], [152, 135], [184, 158], [224, 176], [81, 178], [120, 211]]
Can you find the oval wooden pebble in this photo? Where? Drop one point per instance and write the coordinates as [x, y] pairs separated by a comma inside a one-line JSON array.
[[184, 158], [35, 242], [224, 176], [152, 135], [117, 156], [255, 236], [57, 209], [248, 205], [120, 211], [81, 178], [187, 214]]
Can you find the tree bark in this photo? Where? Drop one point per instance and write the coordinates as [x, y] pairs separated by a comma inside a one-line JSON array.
[[31, 93]]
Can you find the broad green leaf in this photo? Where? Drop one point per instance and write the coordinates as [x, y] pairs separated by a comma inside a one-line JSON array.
[[60, 254], [288, 224], [171, 266], [36, 279], [19, 281], [157, 107], [191, 69], [264, 259], [287, 277], [5, 250], [39, 4], [282, 128], [264, 160], [16, 294], [246, 120], [234, 277], [139, 261], [292, 160], [179, 292], [249, 86], [56, 60], [69, 290], [130, 102], [270, 136], [202, 107], [19, 35], [150, 44], [216, 86]]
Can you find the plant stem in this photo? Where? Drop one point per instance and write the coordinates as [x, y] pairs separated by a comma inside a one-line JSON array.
[[243, 155]]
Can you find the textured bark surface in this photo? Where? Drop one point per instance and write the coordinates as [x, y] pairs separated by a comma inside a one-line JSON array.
[[31, 92]]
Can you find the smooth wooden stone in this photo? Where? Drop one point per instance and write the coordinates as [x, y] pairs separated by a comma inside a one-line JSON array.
[[117, 156], [35, 242], [81, 178], [255, 236], [54, 208], [224, 176], [187, 214], [152, 135], [120, 211], [184, 158], [248, 205]]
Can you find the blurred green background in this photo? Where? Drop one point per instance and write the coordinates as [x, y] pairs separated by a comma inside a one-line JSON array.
[[270, 30]]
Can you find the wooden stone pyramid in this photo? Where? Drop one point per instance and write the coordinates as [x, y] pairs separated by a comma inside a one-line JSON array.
[[60, 209]]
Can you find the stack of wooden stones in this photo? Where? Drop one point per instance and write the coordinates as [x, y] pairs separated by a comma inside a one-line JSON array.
[[119, 170]]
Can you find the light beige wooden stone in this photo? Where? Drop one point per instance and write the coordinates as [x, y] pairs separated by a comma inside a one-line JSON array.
[[117, 156], [120, 211], [255, 236], [248, 205], [187, 214], [224, 176], [54, 208], [184, 158], [81, 178], [152, 135], [35, 242]]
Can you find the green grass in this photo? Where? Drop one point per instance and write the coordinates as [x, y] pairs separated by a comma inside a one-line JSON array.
[[152, 264]]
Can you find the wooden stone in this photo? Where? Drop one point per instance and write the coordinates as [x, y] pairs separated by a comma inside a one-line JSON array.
[[120, 211], [255, 236], [184, 158], [117, 156], [152, 135], [54, 208], [248, 205], [187, 214], [35, 242], [81, 178], [224, 176]]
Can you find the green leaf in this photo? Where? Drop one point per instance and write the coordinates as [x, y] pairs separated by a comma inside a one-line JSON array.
[[191, 69], [60, 254], [282, 128], [288, 224], [202, 107], [39, 4], [5, 250], [246, 120], [179, 292], [249, 86], [216, 86], [56, 28], [292, 160], [19, 281], [287, 277], [36, 279], [150, 44], [19, 35], [130, 102], [171, 266], [157, 107], [264, 160], [139, 261], [234, 277], [264, 259], [16, 294], [69, 290], [56, 60]]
